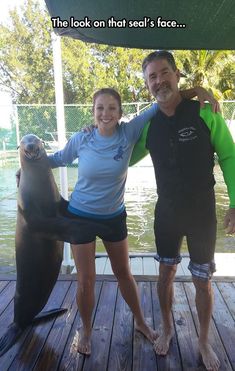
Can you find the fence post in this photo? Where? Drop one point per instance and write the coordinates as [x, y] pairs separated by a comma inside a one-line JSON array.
[[60, 118]]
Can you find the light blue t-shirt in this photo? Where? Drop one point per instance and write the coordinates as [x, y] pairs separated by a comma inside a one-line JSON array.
[[103, 164]]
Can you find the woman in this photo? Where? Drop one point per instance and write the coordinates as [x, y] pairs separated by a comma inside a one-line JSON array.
[[104, 155]]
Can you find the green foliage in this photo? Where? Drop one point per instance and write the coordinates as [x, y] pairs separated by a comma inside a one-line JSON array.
[[26, 55], [212, 69], [26, 65]]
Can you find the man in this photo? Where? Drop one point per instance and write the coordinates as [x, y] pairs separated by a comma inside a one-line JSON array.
[[182, 139]]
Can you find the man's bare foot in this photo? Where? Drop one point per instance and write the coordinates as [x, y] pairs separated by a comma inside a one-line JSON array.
[[147, 331], [162, 343], [209, 357], [84, 342]]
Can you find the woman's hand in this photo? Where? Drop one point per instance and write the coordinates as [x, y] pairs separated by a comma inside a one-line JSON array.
[[229, 221], [204, 95]]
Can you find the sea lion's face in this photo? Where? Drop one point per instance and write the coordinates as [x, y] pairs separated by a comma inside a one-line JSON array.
[[31, 147]]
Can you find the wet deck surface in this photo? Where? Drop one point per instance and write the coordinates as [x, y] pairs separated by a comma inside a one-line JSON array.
[[116, 345]]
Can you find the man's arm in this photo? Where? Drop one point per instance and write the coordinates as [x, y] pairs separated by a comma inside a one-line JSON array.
[[224, 146]]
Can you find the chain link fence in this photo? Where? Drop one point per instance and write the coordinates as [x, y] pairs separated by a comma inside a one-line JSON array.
[[41, 120]]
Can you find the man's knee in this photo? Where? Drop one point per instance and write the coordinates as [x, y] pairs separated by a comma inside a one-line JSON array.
[[167, 273], [202, 286]]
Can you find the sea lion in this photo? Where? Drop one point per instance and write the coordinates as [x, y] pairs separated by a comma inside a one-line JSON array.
[[40, 230]]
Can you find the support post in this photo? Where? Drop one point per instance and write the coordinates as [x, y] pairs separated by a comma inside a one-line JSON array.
[[60, 118]]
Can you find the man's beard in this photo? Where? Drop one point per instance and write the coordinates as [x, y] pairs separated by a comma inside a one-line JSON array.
[[163, 94]]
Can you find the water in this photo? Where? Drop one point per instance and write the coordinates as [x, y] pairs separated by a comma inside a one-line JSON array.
[[140, 199]]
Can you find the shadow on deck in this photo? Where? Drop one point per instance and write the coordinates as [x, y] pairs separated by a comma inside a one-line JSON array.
[[116, 345]]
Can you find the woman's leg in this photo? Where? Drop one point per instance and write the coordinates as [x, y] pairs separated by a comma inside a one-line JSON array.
[[119, 258], [84, 257]]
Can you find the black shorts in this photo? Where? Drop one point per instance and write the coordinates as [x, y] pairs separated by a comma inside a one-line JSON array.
[[110, 230], [193, 217]]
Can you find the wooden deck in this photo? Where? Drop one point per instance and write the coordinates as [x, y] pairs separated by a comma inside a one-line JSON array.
[[116, 345]]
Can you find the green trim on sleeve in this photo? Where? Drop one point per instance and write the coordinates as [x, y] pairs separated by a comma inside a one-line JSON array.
[[139, 150], [224, 146]]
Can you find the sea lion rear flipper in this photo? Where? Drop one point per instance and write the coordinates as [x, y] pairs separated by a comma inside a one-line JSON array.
[[48, 314], [9, 338], [65, 229]]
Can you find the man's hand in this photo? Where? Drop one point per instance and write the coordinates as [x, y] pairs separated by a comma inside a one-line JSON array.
[[89, 128], [229, 221], [204, 95], [18, 178]]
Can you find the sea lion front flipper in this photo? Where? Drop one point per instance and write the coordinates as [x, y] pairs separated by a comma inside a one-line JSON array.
[[10, 338]]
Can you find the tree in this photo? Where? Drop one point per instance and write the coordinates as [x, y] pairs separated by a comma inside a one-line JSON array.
[[209, 68], [26, 57], [26, 64]]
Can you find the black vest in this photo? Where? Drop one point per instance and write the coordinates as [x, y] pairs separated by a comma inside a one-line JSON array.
[[181, 151]]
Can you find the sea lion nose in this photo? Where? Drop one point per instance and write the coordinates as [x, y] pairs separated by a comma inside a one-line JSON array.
[[31, 147]]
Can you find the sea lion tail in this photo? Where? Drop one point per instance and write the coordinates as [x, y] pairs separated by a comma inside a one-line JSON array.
[[10, 338], [48, 314]]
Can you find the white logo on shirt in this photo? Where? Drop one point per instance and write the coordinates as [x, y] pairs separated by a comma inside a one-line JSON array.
[[187, 134]]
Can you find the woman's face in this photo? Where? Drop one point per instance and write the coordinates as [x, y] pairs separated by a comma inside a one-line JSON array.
[[107, 113]]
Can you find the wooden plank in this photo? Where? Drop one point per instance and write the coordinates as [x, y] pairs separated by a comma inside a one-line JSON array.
[[225, 324], [108, 268], [214, 338], [172, 361], [136, 265], [100, 263], [184, 265], [149, 266], [71, 359], [180, 271], [102, 329], [228, 292], [7, 277], [6, 296], [29, 349], [120, 357], [3, 284], [144, 357], [185, 329], [52, 351], [157, 267]]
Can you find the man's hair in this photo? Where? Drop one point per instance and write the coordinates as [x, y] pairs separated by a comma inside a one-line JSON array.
[[161, 54]]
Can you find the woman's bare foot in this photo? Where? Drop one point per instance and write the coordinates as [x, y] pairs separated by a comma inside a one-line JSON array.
[[147, 331], [209, 357], [162, 343], [84, 341]]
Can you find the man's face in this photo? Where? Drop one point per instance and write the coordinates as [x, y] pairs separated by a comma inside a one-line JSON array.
[[162, 80]]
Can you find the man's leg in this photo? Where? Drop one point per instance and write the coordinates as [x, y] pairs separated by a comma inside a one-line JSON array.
[[204, 305], [166, 294]]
